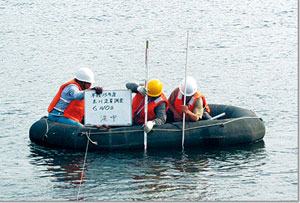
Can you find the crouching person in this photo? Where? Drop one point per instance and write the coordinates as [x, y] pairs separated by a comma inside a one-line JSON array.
[[196, 107], [68, 105], [157, 104]]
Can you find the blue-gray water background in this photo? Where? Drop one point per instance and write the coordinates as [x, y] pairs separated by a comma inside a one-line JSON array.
[[242, 52]]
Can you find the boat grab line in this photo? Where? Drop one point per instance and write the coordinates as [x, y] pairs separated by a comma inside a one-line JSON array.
[[175, 130], [222, 124]]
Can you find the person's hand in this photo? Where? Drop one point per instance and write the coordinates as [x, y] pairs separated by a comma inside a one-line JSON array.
[[148, 126], [184, 109], [98, 89], [102, 126], [142, 90]]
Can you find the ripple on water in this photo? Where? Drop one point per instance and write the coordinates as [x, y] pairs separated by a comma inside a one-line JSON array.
[[241, 53]]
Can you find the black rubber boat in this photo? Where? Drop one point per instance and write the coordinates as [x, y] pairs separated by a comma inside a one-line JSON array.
[[238, 126]]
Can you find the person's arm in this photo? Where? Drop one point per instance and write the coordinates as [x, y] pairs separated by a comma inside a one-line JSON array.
[[72, 92], [160, 113], [135, 88], [132, 86], [161, 117], [198, 110]]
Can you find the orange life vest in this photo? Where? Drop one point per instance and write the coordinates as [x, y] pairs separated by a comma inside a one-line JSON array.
[[75, 109], [138, 103], [191, 105]]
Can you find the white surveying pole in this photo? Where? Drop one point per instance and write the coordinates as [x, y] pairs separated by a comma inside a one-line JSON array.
[[146, 97], [185, 75]]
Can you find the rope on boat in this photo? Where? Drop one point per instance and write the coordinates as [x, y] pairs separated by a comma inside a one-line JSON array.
[[239, 119], [175, 130], [88, 137], [84, 161], [47, 128], [87, 134], [113, 132], [221, 124]]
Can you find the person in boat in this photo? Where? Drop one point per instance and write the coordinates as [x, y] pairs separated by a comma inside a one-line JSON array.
[[196, 108], [157, 104], [68, 105]]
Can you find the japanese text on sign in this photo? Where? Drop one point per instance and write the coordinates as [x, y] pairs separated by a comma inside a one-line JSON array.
[[112, 107]]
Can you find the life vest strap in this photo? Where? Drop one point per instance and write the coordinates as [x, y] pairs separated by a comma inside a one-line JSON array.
[[158, 100], [139, 110]]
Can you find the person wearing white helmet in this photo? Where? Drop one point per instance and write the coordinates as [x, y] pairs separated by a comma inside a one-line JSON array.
[[196, 107], [68, 104]]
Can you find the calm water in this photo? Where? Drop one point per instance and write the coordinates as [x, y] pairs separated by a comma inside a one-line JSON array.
[[242, 53]]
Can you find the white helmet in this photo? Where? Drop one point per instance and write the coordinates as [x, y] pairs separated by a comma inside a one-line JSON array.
[[85, 75], [191, 86]]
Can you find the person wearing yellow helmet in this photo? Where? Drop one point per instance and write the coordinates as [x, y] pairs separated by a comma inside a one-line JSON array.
[[157, 104], [68, 104], [196, 107]]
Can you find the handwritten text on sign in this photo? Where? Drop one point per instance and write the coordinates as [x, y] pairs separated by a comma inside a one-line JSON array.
[[112, 107]]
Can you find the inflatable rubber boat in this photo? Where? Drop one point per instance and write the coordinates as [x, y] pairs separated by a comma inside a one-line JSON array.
[[237, 126]]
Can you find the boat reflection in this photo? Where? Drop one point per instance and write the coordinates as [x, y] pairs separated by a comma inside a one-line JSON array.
[[138, 176]]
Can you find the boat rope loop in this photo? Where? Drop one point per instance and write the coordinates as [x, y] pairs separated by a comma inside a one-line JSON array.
[[177, 130], [87, 134], [47, 128]]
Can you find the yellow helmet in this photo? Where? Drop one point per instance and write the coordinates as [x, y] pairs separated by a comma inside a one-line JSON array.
[[154, 88]]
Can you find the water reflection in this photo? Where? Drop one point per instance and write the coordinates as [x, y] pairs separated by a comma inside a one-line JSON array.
[[170, 172], [65, 166], [156, 175]]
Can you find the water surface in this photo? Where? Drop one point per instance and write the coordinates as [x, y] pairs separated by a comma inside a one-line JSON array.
[[242, 53]]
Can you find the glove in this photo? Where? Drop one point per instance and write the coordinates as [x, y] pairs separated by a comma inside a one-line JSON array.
[[142, 90], [98, 89], [148, 126]]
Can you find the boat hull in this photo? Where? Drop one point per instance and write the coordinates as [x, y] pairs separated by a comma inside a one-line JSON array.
[[238, 126]]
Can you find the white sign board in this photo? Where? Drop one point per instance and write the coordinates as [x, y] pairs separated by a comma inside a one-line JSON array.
[[112, 108]]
